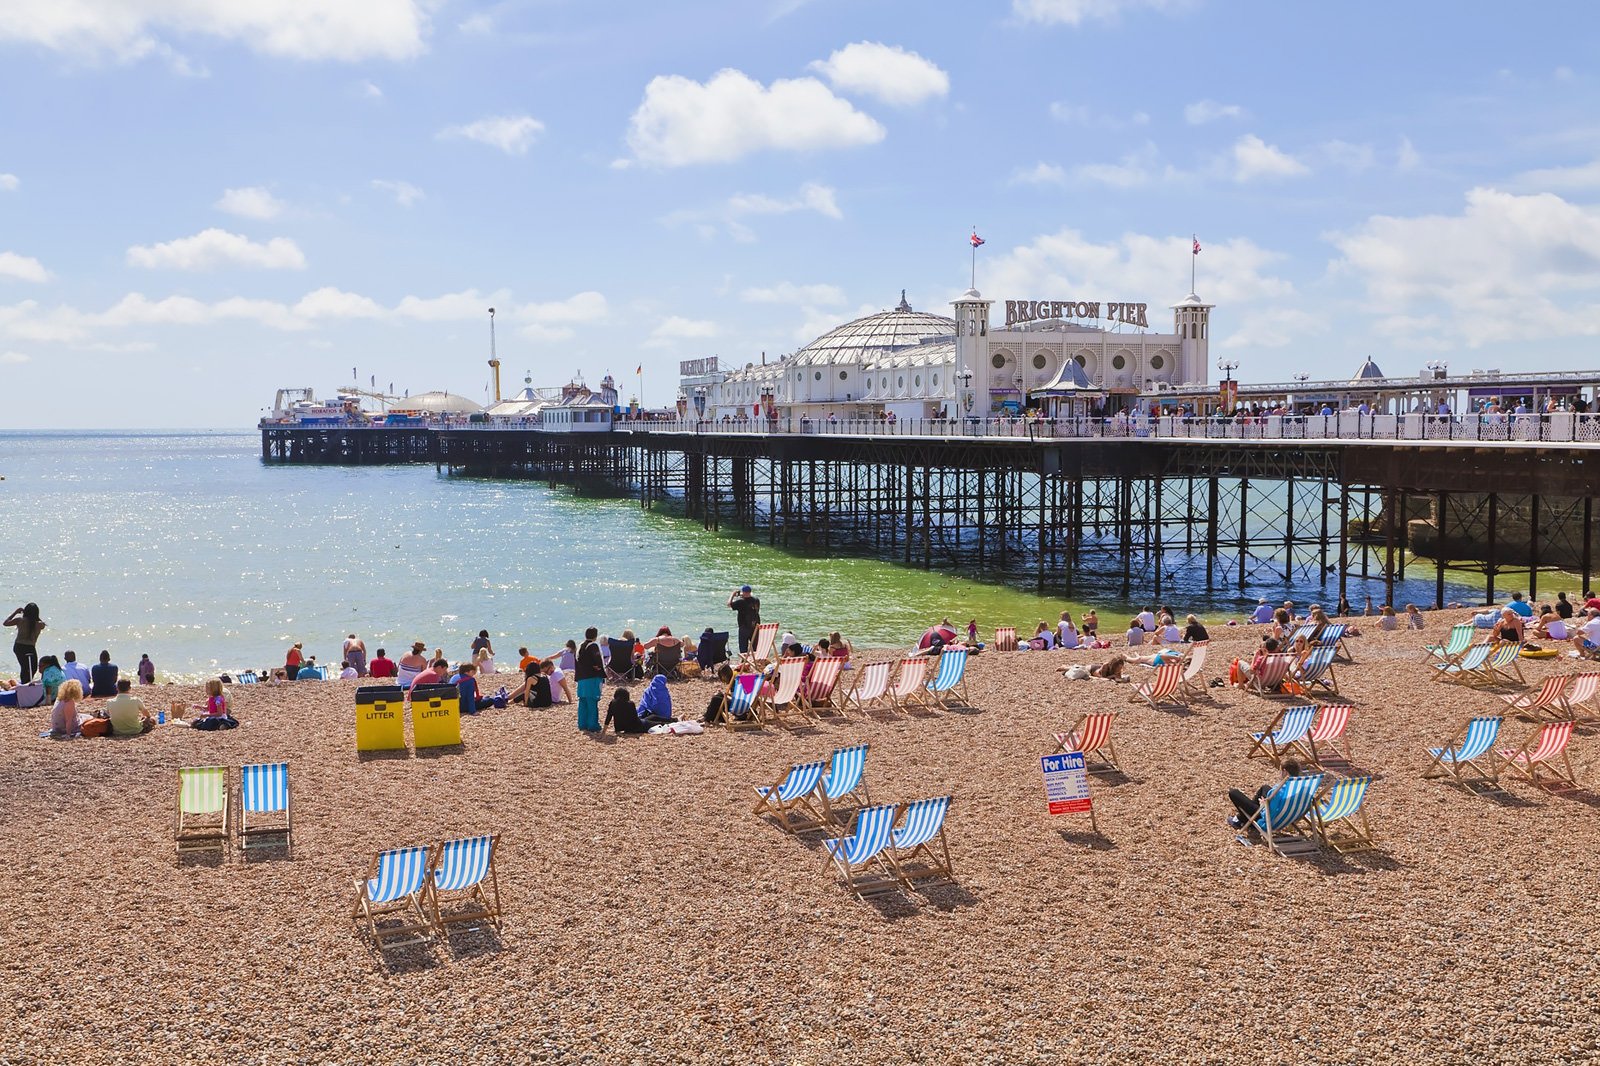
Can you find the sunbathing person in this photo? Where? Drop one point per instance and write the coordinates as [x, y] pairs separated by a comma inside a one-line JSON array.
[[1509, 629], [1111, 669], [621, 714], [1551, 625], [1246, 807]]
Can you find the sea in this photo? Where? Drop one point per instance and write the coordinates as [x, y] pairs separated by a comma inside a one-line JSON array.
[[186, 547]]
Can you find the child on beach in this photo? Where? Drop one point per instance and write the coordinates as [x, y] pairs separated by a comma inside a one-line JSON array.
[[147, 671], [1387, 620], [1413, 616], [64, 715], [466, 683], [218, 714], [1090, 624]]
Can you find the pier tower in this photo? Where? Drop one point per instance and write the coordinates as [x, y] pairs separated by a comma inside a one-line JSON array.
[[972, 353], [1192, 322]]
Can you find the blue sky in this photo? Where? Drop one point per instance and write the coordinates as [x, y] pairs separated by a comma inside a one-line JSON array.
[[200, 203]]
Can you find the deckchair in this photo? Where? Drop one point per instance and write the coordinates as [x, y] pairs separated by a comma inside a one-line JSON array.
[[1194, 684], [859, 856], [264, 792], [784, 700], [761, 647], [1333, 720], [664, 660], [1546, 703], [1333, 637], [1274, 668], [463, 874], [1470, 665], [951, 680], [1165, 687], [1301, 631], [1505, 665], [246, 677], [1454, 647], [1584, 689], [1005, 638], [621, 652], [912, 844], [872, 686], [1541, 751], [1341, 821], [1092, 736], [740, 708], [712, 649], [1284, 820], [907, 691], [846, 778], [819, 693], [790, 799], [1473, 743], [1288, 728], [1317, 670], [205, 801], [404, 676], [395, 887]]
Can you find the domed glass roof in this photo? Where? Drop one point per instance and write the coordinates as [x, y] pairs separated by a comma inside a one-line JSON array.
[[881, 332], [438, 403], [1368, 371]]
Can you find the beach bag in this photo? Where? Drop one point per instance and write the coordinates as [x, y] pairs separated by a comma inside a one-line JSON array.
[[1235, 673], [688, 670], [214, 722], [94, 727], [1292, 687]]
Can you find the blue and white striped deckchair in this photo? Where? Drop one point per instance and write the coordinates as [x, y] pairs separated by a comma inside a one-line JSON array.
[[790, 799], [951, 680], [1473, 742], [246, 677], [1298, 632], [1284, 818], [1341, 821], [741, 705], [1471, 663], [1287, 728], [911, 844], [264, 790], [205, 805], [846, 777], [394, 887], [1333, 637], [1318, 670], [464, 874], [860, 855]]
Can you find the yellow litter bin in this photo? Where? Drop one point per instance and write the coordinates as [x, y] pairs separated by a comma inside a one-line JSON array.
[[380, 718], [435, 716]]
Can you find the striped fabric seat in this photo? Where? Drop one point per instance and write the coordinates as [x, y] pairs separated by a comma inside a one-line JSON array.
[[1470, 749], [204, 809], [1317, 670], [818, 691], [1546, 703], [1092, 736], [790, 799], [1545, 752], [950, 682], [846, 778], [1165, 687], [1585, 687], [246, 677], [1471, 664], [784, 701], [405, 675], [1332, 635], [741, 706], [394, 889], [859, 857], [1194, 682], [1274, 668], [1341, 821], [399, 874], [912, 844], [1301, 631], [1005, 638], [464, 880], [1284, 819], [263, 791], [1288, 728], [907, 691], [1331, 727], [1505, 665], [1455, 645], [766, 636], [872, 686]]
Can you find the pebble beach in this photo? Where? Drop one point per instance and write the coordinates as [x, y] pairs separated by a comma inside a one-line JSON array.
[[651, 917]]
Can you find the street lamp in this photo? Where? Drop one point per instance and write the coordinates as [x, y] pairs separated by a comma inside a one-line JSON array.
[[1227, 366], [965, 377]]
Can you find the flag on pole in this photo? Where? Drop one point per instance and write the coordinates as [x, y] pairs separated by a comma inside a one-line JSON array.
[[976, 240], [1197, 246], [640, 370]]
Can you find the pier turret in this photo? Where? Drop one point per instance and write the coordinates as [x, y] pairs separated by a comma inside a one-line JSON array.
[[1192, 323], [972, 352]]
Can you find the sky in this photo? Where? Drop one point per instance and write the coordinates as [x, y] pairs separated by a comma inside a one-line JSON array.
[[201, 203]]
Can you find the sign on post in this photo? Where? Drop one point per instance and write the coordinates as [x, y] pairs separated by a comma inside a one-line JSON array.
[[1066, 784], [435, 716], [380, 718]]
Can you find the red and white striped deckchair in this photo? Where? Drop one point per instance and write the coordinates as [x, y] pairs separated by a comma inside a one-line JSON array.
[[784, 701], [872, 686], [1165, 687], [907, 691], [1092, 736], [1274, 668], [1005, 638], [1194, 683], [1541, 752], [1333, 720], [1585, 687], [761, 646], [1546, 703], [820, 690]]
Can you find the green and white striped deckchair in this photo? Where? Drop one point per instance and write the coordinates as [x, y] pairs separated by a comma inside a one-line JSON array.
[[205, 795], [1341, 821]]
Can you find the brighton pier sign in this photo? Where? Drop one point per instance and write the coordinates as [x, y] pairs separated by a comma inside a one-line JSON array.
[[1045, 310]]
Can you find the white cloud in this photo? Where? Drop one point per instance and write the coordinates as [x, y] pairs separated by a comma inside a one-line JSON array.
[[787, 292], [1039, 174], [1077, 12], [329, 302], [28, 321], [1084, 115], [14, 358], [675, 328], [681, 122], [296, 29], [886, 72], [450, 307], [252, 201], [213, 248], [405, 194], [1581, 178], [512, 134], [1352, 157], [22, 268], [1254, 159], [1202, 111], [478, 24], [1132, 171], [811, 196], [1408, 158], [371, 91], [1272, 327], [554, 319], [10, 183], [136, 309], [1506, 266]]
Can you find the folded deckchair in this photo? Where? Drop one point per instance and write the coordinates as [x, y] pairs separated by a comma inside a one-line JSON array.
[[950, 683], [907, 691], [1092, 736], [621, 652], [761, 647], [819, 692], [1165, 687], [1317, 671], [1333, 720], [912, 844], [784, 699], [265, 818], [1541, 751], [1469, 668], [790, 799], [1546, 703], [712, 649], [859, 857], [1288, 728], [1505, 665], [246, 677], [1005, 638], [463, 876], [739, 712], [1454, 647], [845, 779], [1341, 821], [872, 686], [1194, 683], [395, 887], [1284, 820], [1472, 744], [1274, 668], [205, 802], [1584, 689]]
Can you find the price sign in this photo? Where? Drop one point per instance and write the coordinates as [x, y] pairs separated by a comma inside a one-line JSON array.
[[1066, 783]]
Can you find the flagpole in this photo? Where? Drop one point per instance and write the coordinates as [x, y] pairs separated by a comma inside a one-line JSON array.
[[974, 259], [1194, 239]]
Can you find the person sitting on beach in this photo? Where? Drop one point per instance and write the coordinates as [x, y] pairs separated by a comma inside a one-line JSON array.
[[1413, 617], [75, 670], [309, 671], [1136, 633], [415, 660], [64, 714], [655, 706], [1521, 606], [536, 689], [146, 671], [1066, 632], [1089, 625], [218, 714], [355, 653], [383, 666], [484, 661], [663, 652], [1269, 646], [1586, 636], [1263, 614], [562, 689], [103, 678], [621, 714], [51, 676], [1193, 631], [1320, 620], [1169, 632], [1551, 625], [1281, 624], [466, 682], [717, 706], [1247, 806], [1387, 621], [1146, 620], [435, 673], [1509, 628], [348, 671], [126, 712], [1563, 605]]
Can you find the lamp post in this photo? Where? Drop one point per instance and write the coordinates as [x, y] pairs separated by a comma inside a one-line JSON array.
[[494, 360], [965, 377], [1229, 390]]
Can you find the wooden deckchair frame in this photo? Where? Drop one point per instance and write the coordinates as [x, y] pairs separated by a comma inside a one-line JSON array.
[[785, 811], [1346, 833], [1583, 688], [922, 862], [887, 881], [1163, 672], [1194, 682], [486, 899], [1298, 835], [1264, 745], [272, 834], [751, 720], [416, 926], [197, 831], [859, 793], [1441, 653], [916, 695], [1546, 704], [942, 698], [1318, 734], [1101, 758], [1001, 643], [1274, 658], [1325, 679], [1521, 760], [882, 698], [1452, 769], [775, 712], [831, 702]]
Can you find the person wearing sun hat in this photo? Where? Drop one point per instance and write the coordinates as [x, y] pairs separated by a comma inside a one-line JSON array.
[[1263, 615]]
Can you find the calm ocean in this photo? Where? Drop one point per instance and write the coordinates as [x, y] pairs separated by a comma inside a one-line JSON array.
[[186, 547]]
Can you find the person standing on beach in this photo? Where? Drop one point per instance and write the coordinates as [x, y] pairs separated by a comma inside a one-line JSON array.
[[147, 671], [25, 645], [292, 661], [748, 611], [355, 653], [591, 671]]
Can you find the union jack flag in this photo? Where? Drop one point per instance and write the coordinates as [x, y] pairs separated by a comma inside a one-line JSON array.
[[1197, 246], [976, 240]]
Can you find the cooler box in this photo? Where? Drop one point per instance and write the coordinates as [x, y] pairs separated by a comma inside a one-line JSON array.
[[380, 718], [435, 716]]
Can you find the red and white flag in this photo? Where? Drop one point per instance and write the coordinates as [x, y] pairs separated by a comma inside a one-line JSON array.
[[976, 240], [1197, 246]]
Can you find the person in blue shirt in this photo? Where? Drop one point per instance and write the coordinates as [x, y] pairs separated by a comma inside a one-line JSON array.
[[1263, 615], [655, 706], [466, 683], [75, 671], [103, 678], [308, 671], [1520, 605]]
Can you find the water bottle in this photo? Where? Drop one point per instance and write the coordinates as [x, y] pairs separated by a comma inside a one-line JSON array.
[[161, 718]]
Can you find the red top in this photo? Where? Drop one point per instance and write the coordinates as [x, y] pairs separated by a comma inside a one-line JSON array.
[[382, 668]]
